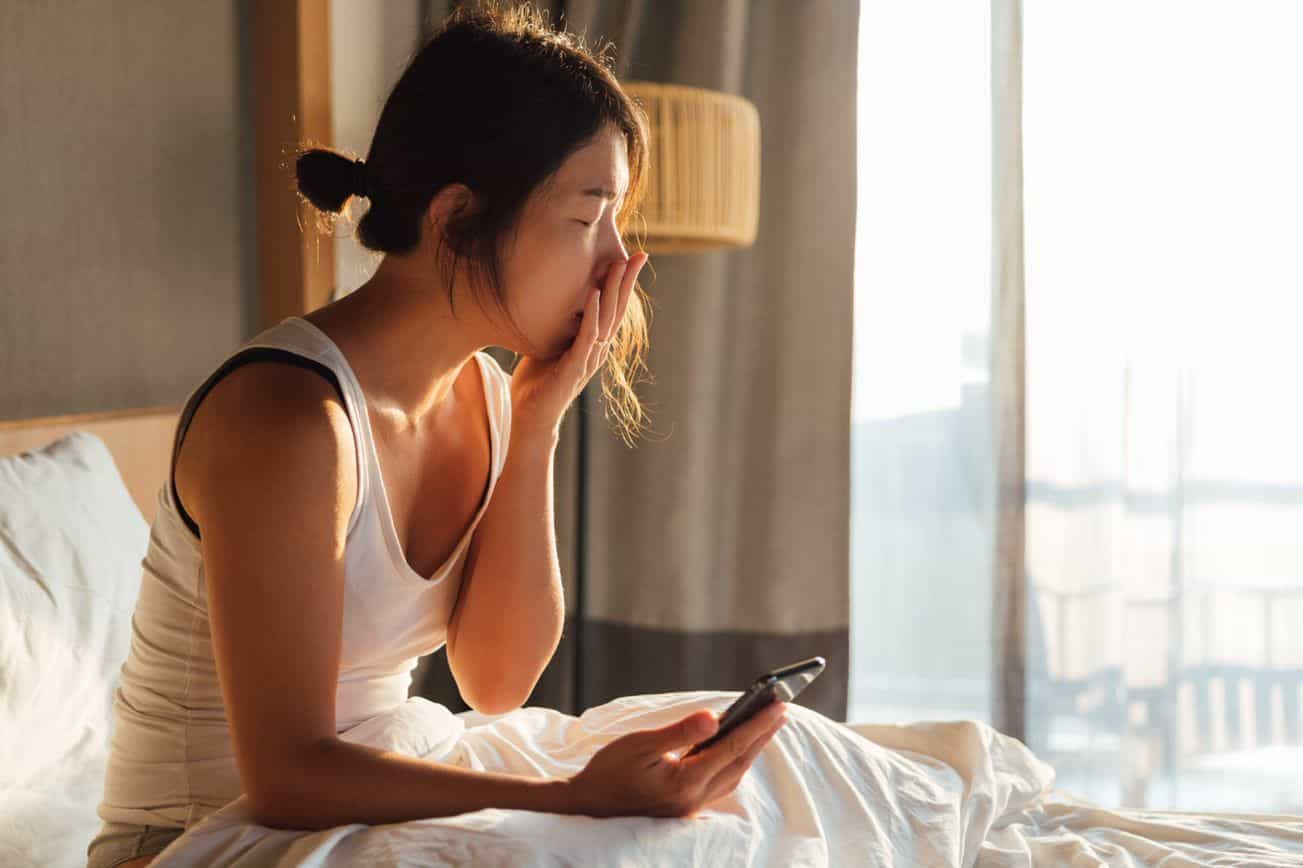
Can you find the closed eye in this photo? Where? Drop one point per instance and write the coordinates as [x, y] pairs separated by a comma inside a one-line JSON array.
[[585, 222]]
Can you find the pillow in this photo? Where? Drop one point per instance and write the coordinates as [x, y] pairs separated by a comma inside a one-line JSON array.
[[71, 546]]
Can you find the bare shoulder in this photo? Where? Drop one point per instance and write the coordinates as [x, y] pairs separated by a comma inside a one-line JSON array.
[[271, 484], [267, 420]]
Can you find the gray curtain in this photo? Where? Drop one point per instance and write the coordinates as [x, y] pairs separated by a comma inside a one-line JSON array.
[[719, 546]]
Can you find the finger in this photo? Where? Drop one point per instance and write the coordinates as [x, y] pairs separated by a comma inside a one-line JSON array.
[[627, 292], [686, 731], [611, 291], [613, 310], [731, 775], [595, 360], [596, 353], [728, 779], [635, 264], [710, 761], [583, 343]]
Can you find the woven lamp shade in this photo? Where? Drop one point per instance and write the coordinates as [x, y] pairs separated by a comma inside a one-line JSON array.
[[703, 189]]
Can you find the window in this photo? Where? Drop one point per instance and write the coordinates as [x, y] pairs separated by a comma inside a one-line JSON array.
[[921, 492], [1163, 215]]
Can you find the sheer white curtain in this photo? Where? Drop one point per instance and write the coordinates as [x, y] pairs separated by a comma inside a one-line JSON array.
[[921, 457], [1162, 182], [1163, 197]]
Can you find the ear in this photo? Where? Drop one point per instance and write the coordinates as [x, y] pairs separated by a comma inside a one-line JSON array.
[[454, 199]]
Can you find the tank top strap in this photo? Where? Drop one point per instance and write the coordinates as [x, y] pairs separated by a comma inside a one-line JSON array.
[[291, 343]]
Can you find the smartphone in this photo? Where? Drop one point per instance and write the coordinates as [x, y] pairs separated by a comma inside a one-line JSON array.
[[781, 684]]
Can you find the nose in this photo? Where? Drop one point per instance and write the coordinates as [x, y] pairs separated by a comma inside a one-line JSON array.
[[616, 251], [610, 262]]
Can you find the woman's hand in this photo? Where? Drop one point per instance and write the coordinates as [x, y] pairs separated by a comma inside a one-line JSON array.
[[636, 775], [542, 390]]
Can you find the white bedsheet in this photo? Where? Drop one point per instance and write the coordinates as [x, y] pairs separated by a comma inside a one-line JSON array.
[[1056, 829], [822, 793]]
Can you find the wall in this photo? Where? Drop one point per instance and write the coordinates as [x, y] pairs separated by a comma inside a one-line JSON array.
[[127, 265], [370, 45], [127, 260]]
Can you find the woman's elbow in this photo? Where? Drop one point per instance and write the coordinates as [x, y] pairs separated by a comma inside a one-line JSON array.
[[494, 702], [492, 694], [279, 798], [285, 812]]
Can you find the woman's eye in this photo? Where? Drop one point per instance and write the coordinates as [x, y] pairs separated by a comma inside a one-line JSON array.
[[585, 222]]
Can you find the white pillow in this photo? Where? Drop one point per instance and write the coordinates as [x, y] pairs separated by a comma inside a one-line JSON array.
[[71, 546]]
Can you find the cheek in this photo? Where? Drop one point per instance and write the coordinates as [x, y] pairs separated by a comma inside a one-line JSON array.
[[549, 282], [543, 306]]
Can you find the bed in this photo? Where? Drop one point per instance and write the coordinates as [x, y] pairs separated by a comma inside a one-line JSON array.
[[76, 498]]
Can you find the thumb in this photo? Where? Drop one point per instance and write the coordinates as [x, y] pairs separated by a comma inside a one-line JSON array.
[[684, 732]]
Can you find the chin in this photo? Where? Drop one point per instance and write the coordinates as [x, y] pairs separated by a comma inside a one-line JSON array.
[[554, 346]]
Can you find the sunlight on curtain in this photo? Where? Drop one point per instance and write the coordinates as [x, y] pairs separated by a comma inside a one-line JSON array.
[[1163, 182], [921, 460]]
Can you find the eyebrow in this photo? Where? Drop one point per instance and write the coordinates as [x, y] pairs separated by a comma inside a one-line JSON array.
[[600, 192]]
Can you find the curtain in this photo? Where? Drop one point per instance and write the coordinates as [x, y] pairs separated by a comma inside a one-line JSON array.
[[1077, 490], [924, 510], [1164, 484], [1008, 369], [719, 547]]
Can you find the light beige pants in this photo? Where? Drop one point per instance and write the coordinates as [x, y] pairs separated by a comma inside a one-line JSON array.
[[118, 842]]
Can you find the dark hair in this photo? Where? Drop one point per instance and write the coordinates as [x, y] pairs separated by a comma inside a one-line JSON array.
[[495, 99]]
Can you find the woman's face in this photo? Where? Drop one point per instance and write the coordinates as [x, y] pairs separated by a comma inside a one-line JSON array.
[[567, 242]]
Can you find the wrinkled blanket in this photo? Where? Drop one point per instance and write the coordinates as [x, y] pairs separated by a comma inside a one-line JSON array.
[[821, 793]]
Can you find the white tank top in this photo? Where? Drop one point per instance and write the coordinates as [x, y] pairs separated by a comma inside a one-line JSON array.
[[171, 760]]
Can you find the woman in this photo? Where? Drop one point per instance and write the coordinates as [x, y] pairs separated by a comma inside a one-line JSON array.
[[353, 488]]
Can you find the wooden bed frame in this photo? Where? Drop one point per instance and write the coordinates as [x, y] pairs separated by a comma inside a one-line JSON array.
[[140, 441]]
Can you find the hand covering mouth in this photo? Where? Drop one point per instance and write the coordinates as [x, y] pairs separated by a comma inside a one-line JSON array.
[[580, 312]]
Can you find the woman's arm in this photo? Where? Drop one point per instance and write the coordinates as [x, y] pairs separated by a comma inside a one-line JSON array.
[[508, 619], [511, 608], [268, 471], [337, 782]]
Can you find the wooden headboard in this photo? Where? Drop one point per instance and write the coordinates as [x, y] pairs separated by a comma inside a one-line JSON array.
[[140, 441]]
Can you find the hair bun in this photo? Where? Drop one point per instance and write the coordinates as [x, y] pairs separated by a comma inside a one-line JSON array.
[[359, 178]]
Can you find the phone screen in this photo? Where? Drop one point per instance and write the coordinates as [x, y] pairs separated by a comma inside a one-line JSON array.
[[782, 684]]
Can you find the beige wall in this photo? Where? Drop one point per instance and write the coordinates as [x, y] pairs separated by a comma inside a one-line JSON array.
[[370, 44], [126, 254]]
